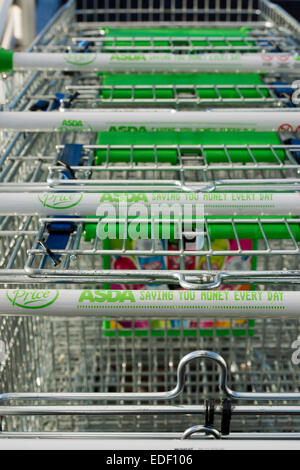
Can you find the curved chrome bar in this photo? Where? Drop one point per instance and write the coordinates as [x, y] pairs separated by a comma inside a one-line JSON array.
[[193, 286], [200, 355], [201, 429], [175, 392], [209, 188]]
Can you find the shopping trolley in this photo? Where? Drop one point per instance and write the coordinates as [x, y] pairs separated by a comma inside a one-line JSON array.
[[54, 90], [144, 150], [103, 340], [193, 362]]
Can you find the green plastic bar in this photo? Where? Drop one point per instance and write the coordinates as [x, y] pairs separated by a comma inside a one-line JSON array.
[[118, 80], [110, 45], [140, 138], [6, 61], [90, 230], [164, 156], [185, 333], [177, 33], [275, 231]]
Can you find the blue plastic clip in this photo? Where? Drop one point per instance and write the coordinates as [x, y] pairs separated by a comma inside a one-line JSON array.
[[58, 238], [60, 98], [284, 91], [264, 43], [84, 46], [71, 155], [296, 153]]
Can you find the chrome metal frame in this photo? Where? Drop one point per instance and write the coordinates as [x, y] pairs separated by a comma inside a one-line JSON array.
[[24, 261], [164, 412], [195, 169], [58, 359]]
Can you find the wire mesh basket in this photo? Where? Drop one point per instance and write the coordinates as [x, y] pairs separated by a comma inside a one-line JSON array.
[[72, 369], [178, 13]]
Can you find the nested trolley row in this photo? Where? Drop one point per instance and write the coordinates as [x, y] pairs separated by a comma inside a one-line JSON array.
[[187, 336]]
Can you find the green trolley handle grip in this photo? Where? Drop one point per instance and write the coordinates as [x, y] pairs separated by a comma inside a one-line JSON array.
[[275, 231], [137, 156], [6, 61], [170, 156], [259, 144]]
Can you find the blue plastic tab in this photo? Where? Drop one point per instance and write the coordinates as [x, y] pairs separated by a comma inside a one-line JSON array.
[[296, 153], [280, 91], [40, 105], [71, 155], [60, 98], [288, 90], [84, 46], [57, 103], [265, 43], [58, 238]]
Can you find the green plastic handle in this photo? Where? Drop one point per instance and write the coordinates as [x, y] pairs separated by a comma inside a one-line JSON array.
[[137, 156], [245, 231], [6, 60], [138, 138], [177, 32]]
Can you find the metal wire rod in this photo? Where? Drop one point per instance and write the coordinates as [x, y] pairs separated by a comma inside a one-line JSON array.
[[171, 394]]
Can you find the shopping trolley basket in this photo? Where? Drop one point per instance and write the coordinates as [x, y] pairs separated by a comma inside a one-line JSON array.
[[69, 243], [144, 149], [275, 52], [179, 91], [51, 90], [81, 383]]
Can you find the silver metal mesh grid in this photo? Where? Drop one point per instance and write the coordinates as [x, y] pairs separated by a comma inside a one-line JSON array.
[[184, 12], [30, 164], [179, 11], [166, 11], [91, 94], [86, 260], [257, 41], [88, 91], [78, 356]]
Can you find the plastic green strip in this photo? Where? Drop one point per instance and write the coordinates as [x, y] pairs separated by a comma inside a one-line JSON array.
[[177, 333], [131, 136], [181, 80], [252, 231], [6, 60], [276, 231], [177, 32]]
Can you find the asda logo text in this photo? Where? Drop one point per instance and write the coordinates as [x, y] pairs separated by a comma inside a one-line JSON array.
[[127, 129], [73, 125], [119, 197], [109, 296], [128, 58]]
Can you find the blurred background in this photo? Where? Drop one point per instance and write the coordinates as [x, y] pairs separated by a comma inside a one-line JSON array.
[[35, 14], [45, 9], [292, 6]]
